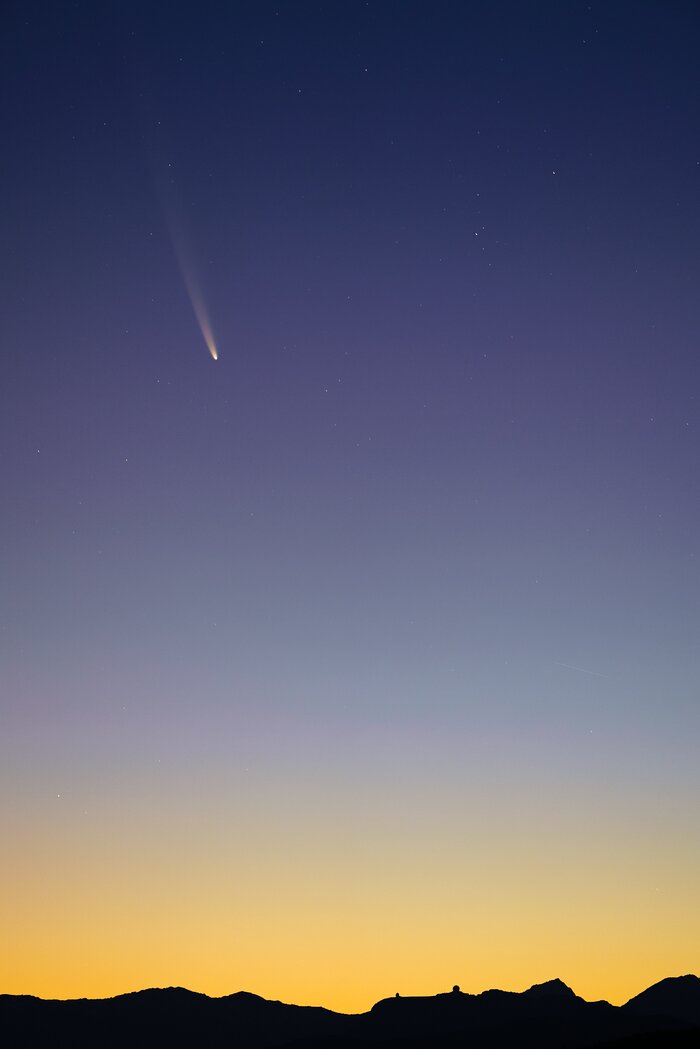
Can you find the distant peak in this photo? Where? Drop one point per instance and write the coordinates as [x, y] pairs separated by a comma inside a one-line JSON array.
[[551, 987], [689, 980], [171, 991], [671, 987]]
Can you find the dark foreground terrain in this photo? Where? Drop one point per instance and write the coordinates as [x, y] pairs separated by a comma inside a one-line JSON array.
[[547, 1016]]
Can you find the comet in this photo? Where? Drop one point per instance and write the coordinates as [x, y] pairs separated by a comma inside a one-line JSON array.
[[177, 227], [190, 279]]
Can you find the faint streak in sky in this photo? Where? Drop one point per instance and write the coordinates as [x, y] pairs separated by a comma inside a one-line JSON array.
[[582, 670]]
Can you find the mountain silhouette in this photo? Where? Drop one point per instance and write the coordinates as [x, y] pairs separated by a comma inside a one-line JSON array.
[[546, 1016], [677, 996], [550, 989]]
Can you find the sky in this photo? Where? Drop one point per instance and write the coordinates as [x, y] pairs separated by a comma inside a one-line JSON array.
[[364, 657]]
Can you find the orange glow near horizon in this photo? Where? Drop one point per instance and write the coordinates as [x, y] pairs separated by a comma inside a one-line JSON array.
[[311, 903]]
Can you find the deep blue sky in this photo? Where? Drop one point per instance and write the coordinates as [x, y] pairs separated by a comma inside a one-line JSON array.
[[425, 537]]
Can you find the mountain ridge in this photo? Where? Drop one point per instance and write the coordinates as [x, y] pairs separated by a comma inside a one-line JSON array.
[[546, 1015]]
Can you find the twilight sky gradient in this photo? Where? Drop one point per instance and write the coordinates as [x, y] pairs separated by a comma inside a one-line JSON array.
[[365, 658]]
